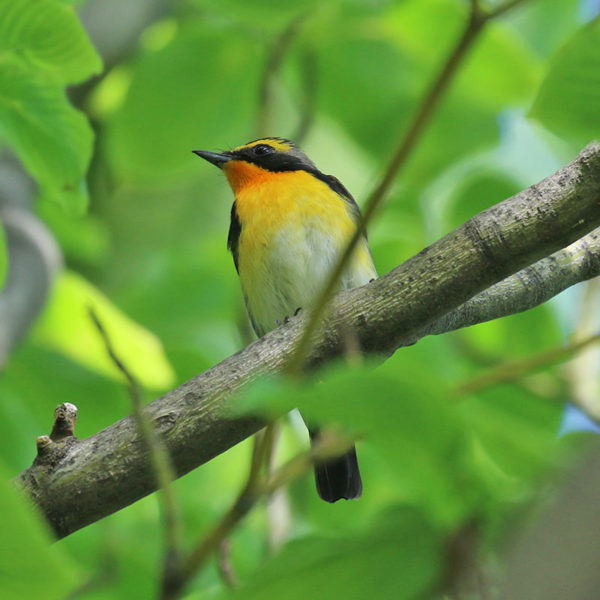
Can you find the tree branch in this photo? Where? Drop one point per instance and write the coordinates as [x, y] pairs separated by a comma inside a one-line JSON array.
[[434, 94], [110, 470], [529, 287]]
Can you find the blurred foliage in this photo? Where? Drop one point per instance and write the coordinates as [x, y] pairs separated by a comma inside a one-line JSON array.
[[3, 256], [357, 566], [150, 257], [30, 565], [44, 47], [568, 102], [66, 326]]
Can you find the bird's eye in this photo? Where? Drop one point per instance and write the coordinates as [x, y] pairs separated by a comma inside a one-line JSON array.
[[261, 149]]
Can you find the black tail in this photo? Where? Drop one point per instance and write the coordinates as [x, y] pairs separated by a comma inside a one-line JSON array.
[[339, 478]]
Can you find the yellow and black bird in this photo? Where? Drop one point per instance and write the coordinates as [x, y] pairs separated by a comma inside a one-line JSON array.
[[289, 225]]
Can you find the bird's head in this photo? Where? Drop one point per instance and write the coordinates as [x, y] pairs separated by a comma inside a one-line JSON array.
[[251, 163]]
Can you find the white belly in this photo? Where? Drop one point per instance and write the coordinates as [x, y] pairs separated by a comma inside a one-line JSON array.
[[294, 269]]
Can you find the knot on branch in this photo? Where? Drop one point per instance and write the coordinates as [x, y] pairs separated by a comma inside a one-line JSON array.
[[53, 448], [65, 417]]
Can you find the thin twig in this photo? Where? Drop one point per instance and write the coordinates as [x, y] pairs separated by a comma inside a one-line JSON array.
[[308, 70], [278, 505], [544, 387], [476, 22], [211, 542], [274, 60], [159, 458], [500, 10], [513, 370], [224, 565]]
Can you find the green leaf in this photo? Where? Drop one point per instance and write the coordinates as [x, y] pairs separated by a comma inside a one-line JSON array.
[[476, 191], [48, 36], [385, 68], [52, 139], [516, 432], [399, 557], [66, 326], [568, 101], [44, 47], [267, 15], [3, 256], [197, 92], [398, 408], [30, 565], [513, 426], [384, 402]]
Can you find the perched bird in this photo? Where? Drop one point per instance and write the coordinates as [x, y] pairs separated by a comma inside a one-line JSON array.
[[289, 225]]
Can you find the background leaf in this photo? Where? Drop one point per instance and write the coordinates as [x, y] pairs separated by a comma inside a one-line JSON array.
[[44, 48], [49, 37], [568, 102], [67, 326], [31, 567], [397, 557], [183, 112], [53, 140], [151, 255]]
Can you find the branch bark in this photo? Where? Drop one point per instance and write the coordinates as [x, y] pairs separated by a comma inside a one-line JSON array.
[[432, 292]]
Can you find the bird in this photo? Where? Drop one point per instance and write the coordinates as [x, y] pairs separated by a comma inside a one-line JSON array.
[[290, 223]]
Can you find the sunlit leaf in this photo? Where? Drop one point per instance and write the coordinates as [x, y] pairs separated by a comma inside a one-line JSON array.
[[49, 37], [66, 326], [518, 434]]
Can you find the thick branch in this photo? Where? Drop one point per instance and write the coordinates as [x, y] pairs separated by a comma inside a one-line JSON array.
[[110, 470], [529, 287]]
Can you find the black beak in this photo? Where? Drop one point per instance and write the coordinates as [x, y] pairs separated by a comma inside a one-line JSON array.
[[213, 157]]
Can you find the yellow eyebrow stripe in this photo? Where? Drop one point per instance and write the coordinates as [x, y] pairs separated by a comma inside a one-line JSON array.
[[275, 143]]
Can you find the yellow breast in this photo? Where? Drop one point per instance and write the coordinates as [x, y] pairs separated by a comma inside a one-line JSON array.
[[293, 229]]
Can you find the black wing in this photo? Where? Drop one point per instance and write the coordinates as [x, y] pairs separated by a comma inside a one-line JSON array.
[[233, 238], [338, 187]]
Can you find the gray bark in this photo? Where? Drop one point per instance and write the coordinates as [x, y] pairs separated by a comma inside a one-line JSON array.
[[78, 482]]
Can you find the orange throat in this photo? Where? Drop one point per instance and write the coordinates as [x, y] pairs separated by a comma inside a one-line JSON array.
[[241, 174]]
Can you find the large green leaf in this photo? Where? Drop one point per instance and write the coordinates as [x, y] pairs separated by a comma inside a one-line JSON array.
[[385, 62], [44, 47], [30, 567], [197, 92], [49, 37], [568, 101], [399, 557], [52, 139], [66, 326], [399, 409]]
